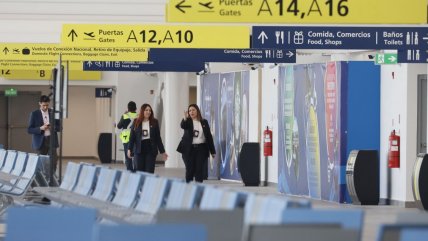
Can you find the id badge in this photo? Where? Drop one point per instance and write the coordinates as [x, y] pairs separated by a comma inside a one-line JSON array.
[[145, 133]]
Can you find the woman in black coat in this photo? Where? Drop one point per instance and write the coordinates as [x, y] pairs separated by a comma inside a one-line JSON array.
[[145, 140], [196, 144]]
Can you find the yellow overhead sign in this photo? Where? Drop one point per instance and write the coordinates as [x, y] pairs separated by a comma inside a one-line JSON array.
[[155, 36], [37, 64], [46, 74], [35, 51], [298, 11]]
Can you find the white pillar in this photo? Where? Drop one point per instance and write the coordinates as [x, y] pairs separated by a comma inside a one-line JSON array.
[[176, 101]]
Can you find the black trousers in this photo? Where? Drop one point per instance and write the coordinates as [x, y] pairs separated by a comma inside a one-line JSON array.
[[145, 161], [128, 161], [44, 150], [196, 163]]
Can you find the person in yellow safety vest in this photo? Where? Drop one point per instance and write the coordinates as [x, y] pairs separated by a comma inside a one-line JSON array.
[[125, 124]]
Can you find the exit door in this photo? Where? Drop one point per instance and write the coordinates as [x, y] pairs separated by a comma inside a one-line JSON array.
[[14, 121], [422, 114]]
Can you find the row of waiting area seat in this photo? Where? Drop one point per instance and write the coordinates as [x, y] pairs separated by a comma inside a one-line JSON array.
[[19, 171], [99, 203]]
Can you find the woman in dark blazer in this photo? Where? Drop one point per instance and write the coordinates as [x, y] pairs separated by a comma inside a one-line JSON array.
[[145, 140], [196, 144]]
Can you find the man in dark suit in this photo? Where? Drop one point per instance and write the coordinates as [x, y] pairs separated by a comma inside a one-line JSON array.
[[40, 128]]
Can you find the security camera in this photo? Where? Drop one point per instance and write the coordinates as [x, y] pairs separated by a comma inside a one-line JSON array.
[[111, 90], [202, 72], [370, 56]]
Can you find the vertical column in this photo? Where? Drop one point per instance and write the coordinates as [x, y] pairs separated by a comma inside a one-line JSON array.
[[176, 101]]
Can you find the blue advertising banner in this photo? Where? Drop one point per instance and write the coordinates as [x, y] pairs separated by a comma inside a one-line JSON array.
[[210, 86], [314, 37], [225, 55], [309, 128], [224, 103], [164, 66]]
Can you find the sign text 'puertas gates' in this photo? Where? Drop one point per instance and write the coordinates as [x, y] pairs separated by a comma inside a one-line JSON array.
[[155, 36]]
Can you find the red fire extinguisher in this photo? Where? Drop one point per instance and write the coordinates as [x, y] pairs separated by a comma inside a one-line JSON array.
[[394, 150], [267, 142]]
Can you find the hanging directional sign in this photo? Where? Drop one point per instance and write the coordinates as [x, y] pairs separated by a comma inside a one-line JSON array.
[[155, 36], [225, 55], [340, 37], [412, 56], [386, 58], [164, 66], [46, 74], [36, 51], [36, 64], [298, 11]]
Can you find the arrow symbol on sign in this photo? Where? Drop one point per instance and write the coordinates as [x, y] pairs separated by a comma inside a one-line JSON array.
[[262, 36], [179, 6], [72, 34], [391, 58], [289, 54], [5, 50]]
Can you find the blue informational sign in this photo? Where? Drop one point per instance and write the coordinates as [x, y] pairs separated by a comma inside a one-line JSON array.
[[103, 92], [164, 66], [412, 56], [225, 55], [287, 37]]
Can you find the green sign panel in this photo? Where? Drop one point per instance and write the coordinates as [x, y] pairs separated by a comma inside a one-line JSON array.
[[386, 58], [11, 92]]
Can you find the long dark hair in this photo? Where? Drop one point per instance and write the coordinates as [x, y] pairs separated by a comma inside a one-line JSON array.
[[140, 118], [198, 111]]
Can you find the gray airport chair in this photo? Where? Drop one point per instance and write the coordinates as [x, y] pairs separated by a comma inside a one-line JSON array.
[[49, 224], [9, 161], [43, 173], [392, 232], [218, 198], [183, 195], [303, 232], [408, 217], [26, 179], [71, 176], [224, 225], [127, 189], [104, 190], [151, 198], [86, 181], [267, 209], [349, 219], [414, 234], [151, 232], [153, 194], [3, 154], [9, 180]]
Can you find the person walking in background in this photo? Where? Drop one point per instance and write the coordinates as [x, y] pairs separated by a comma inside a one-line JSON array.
[[196, 144], [125, 124], [39, 127], [145, 140]]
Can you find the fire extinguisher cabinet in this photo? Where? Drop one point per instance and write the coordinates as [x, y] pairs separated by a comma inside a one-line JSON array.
[[420, 181], [362, 177]]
